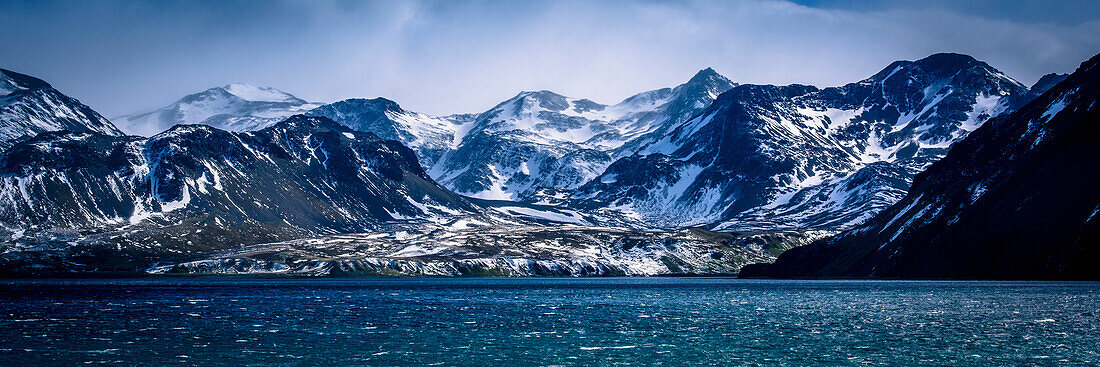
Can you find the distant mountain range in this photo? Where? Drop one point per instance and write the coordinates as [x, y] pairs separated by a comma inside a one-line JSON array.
[[242, 166], [761, 157]]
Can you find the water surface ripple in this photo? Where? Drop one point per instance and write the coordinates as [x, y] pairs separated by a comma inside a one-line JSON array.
[[540, 321]]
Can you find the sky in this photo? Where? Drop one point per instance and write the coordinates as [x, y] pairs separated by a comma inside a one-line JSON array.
[[443, 57]]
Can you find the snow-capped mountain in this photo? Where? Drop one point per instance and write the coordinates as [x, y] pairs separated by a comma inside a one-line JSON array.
[[428, 136], [234, 107], [29, 106], [195, 187], [797, 156], [1016, 199], [542, 141]]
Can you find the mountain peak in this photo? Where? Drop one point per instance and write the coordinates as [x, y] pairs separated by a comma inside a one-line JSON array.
[[538, 94], [386, 104], [1047, 81], [1043, 85], [380, 104], [706, 82], [950, 63], [706, 73], [544, 98], [948, 58], [11, 81], [709, 76], [941, 65]]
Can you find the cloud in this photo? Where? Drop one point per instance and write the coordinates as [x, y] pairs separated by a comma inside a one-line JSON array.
[[451, 57]]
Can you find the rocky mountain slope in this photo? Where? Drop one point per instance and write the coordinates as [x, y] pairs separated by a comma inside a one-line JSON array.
[[796, 156], [29, 106], [1017, 199], [234, 107], [507, 250]]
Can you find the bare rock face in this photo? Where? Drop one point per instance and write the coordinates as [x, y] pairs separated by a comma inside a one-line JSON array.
[[505, 250]]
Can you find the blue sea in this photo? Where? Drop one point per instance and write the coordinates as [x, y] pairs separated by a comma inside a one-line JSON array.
[[546, 321]]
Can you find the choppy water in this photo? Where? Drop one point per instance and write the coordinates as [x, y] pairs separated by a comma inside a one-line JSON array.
[[662, 321]]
